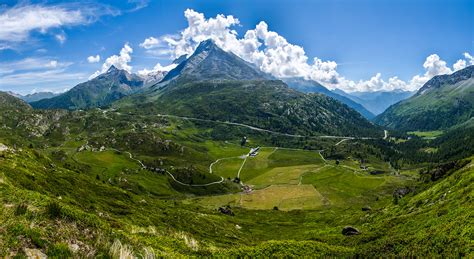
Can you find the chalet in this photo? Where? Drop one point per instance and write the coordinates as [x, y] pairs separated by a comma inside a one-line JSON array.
[[254, 151]]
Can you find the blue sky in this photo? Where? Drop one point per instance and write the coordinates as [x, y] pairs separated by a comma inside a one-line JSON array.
[[376, 45]]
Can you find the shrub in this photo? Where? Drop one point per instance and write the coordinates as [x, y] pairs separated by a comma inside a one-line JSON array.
[[117, 250], [21, 209], [54, 210], [59, 250]]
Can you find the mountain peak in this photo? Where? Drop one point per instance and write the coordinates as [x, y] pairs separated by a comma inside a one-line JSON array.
[[97, 92], [440, 80], [209, 62], [112, 68], [206, 45]]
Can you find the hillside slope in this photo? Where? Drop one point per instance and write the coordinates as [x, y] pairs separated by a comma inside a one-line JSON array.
[[434, 219], [310, 86], [442, 102]]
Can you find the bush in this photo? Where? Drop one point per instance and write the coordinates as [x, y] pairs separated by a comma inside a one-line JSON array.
[[54, 210], [21, 209], [59, 251]]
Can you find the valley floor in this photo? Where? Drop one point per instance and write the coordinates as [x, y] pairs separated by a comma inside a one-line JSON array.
[[178, 193]]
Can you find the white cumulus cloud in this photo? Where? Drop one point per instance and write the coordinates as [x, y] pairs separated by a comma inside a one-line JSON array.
[[273, 54], [469, 58], [150, 43], [119, 61], [158, 47], [460, 64], [93, 59]]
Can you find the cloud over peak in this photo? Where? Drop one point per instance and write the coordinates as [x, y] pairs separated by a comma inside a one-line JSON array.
[[119, 61], [272, 53]]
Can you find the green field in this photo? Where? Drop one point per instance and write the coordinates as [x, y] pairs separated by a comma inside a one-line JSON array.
[[284, 197], [427, 134], [293, 179]]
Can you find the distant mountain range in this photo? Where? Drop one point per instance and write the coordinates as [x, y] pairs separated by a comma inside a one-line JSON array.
[[310, 86], [38, 96], [218, 85], [378, 101], [116, 84], [443, 102], [100, 91], [34, 96]]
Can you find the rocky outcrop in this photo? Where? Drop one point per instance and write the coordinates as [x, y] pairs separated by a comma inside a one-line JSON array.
[[226, 210], [350, 231]]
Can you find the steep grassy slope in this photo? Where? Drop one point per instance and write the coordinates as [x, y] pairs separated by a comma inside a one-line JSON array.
[[442, 102], [438, 215]]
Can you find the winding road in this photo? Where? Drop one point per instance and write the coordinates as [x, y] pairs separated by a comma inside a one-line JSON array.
[[171, 175], [343, 138], [256, 128]]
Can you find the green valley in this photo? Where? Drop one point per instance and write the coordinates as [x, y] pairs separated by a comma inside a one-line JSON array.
[[231, 155]]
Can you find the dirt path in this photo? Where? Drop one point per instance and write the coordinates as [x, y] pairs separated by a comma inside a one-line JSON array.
[[171, 175], [337, 144], [195, 185]]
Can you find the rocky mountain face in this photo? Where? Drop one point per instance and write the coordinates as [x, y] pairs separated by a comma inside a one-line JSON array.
[[447, 80], [153, 77], [310, 86], [378, 101], [218, 85], [443, 102], [211, 62], [97, 92]]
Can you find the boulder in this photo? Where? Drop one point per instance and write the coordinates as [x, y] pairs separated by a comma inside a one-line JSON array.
[[400, 192], [350, 231], [3, 147], [34, 253], [226, 210]]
